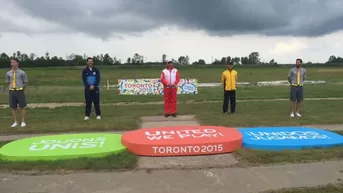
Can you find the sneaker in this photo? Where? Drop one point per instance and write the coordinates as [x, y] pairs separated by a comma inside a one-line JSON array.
[[86, 118], [174, 114], [23, 124], [14, 124], [166, 115], [297, 114], [233, 113], [292, 115], [98, 117]]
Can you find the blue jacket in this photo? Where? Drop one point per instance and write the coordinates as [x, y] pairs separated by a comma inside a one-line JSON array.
[[90, 77]]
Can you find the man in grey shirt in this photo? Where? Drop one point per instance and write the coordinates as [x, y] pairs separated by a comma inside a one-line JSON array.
[[296, 78], [17, 80]]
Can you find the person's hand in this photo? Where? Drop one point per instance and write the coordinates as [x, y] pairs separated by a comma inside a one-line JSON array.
[[91, 87], [173, 85]]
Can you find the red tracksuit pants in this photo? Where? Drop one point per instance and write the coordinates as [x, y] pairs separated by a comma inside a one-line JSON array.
[[170, 101]]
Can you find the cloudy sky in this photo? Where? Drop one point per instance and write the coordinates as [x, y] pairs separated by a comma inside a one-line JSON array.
[[279, 29]]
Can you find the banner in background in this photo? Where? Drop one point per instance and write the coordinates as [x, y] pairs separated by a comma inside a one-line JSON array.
[[154, 86]]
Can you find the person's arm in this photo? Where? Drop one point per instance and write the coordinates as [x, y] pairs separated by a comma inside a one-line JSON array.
[[97, 81], [25, 80], [305, 75], [289, 76], [163, 80], [84, 79], [8, 78], [223, 79], [177, 78], [236, 79]]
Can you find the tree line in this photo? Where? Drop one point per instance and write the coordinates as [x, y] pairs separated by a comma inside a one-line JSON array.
[[32, 60]]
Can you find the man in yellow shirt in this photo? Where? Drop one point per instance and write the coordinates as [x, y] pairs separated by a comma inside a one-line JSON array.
[[229, 80]]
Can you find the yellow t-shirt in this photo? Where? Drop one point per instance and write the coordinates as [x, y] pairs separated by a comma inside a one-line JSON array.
[[229, 79]]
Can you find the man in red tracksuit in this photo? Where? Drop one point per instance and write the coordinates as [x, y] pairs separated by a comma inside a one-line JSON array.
[[170, 78]]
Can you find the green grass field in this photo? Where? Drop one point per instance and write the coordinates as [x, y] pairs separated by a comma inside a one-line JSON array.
[[126, 117], [71, 76], [69, 94], [64, 85], [331, 188]]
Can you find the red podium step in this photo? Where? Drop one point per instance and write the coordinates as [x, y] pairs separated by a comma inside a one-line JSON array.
[[182, 140]]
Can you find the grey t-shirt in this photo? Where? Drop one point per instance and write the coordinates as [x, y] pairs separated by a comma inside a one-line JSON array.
[[292, 74], [21, 78]]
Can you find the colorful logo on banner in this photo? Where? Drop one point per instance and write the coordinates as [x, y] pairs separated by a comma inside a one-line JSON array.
[[154, 86]]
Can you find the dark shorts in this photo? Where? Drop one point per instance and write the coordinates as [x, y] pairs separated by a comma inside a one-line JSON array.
[[17, 98], [297, 93]]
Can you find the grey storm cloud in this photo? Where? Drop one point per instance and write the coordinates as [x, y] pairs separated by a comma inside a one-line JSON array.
[[103, 18]]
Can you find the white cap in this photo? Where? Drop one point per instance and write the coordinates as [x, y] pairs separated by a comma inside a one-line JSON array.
[[169, 60]]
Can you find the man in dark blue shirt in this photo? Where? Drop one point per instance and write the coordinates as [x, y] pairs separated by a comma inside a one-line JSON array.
[[91, 80]]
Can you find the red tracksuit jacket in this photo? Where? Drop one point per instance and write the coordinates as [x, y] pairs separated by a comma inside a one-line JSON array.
[[170, 77]]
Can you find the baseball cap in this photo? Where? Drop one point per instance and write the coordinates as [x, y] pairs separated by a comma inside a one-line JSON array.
[[169, 61]]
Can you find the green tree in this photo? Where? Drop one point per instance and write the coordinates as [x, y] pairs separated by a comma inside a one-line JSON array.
[[223, 60], [272, 62], [164, 58], [116, 61], [254, 58], [33, 60], [107, 60], [228, 59], [25, 57], [216, 61], [333, 59], [200, 62], [32, 56], [244, 60], [183, 60], [4, 56], [128, 60], [236, 60], [137, 59], [47, 56], [19, 55], [79, 60]]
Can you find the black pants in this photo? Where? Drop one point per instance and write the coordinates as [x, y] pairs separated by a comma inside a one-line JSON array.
[[229, 96], [92, 97]]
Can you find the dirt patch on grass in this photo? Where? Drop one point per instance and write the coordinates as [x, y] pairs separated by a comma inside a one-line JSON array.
[[49, 105], [330, 70], [77, 104]]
